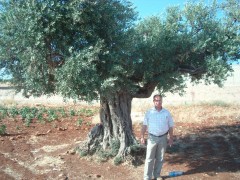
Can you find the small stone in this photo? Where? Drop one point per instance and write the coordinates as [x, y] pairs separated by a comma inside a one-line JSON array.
[[61, 157], [72, 151], [39, 134], [98, 176], [12, 138], [62, 129], [63, 177], [49, 131]]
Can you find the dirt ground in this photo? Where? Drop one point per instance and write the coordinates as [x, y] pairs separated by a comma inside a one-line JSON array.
[[205, 148]]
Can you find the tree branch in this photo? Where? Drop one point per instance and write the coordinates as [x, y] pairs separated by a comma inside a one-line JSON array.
[[145, 91], [191, 69]]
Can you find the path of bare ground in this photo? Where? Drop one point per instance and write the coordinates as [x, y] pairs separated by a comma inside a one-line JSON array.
[[205, 148]]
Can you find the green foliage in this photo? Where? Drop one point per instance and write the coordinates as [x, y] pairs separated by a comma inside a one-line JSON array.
[[79, 122], [190, 40], [62, 112], [52, 115], [115, 145], [86, 112], [83, 153], [24, 112], [3, 129], [72, 112], [27, 114], [135, 148], [81, 53], [55, 46], [112, 151], [39, 116], [13, 112], [103, 155], [3, 112], [28, 119], [118, 160]]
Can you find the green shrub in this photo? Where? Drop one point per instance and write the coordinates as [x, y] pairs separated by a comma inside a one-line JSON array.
[[72, 112], [3, 129], [13, 112], [115, 145], [104, 155], [118, 160], [40, 116], [79, 122], [52, 115], [62, 112], [24, 112], [3, 112], [86, 112], [28, 119], [83, 153]]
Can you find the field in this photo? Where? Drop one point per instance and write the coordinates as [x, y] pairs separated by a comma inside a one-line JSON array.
[[206, 145]]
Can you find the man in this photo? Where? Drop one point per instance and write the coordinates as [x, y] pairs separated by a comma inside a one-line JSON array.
[[159, 123]]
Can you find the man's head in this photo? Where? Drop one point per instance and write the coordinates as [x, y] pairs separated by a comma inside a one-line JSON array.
[[157, 100]]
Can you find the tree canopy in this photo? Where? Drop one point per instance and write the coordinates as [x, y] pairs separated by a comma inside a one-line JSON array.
[[84, 48]]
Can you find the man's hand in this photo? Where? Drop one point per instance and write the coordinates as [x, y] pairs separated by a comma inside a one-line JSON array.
[[142, 140], [170, 141], [143, 130]]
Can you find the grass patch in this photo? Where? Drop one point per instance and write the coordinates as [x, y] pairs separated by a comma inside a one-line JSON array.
[[3, 129], [118, 160]]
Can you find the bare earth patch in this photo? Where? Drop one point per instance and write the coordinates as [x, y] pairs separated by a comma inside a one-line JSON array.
[[207, 146]]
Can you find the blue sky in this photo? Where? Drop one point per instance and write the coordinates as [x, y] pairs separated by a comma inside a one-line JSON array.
[[154, 7]]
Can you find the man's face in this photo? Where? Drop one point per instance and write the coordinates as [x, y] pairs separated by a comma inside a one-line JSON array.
[[157, 102]]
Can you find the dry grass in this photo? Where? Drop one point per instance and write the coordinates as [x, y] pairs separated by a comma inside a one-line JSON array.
[[202, 113]]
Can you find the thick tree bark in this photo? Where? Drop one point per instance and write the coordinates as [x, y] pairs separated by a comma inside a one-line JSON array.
[[116, 119], [116, 124]]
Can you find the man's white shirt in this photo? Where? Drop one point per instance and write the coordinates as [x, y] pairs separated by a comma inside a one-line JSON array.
[[158, 122]]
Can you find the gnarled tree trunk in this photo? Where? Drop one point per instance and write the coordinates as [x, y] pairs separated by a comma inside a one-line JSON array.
[[116, 124]]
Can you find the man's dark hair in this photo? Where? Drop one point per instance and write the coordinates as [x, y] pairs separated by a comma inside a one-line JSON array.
[[157, 95]]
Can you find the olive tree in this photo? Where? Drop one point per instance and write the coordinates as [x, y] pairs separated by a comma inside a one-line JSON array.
[[96, 50]]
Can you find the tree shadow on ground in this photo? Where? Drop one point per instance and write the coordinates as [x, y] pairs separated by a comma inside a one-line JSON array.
[[207, 150]]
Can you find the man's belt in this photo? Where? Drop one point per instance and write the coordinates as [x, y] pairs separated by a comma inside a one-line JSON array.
[[160, 135]]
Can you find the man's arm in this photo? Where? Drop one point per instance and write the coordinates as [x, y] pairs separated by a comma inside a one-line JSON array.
[[144, 129]]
